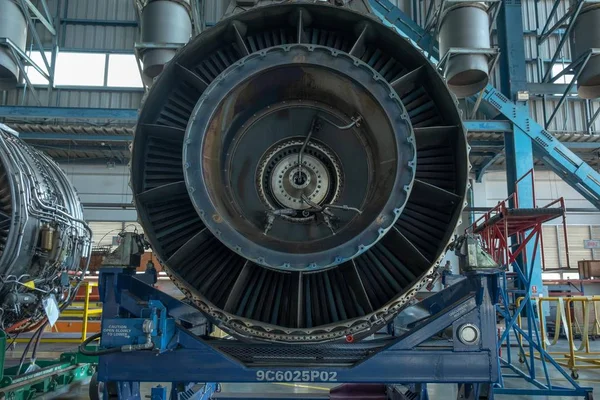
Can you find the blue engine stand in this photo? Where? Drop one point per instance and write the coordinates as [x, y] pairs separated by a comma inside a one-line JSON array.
[[185, 355]]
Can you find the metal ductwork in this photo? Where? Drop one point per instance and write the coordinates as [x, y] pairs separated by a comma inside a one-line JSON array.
[[585, 36], [42, 235], [300, 170], [13, 26], [164, 22], [465, 26]]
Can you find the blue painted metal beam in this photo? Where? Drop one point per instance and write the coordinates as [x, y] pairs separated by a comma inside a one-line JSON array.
[[563, 161], [76, 137], [479, 144], [488, 126], [70, 88], [25, 112], [518, 145]]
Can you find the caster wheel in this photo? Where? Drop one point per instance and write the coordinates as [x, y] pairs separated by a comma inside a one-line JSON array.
[[574, 375], [589, 396], [96, 389]]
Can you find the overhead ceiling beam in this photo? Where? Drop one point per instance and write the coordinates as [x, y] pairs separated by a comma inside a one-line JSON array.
[[479, 144], [24, 112], [85, 149], [75, 137]]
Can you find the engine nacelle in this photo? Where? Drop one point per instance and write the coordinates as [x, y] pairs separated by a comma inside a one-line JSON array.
[[300, 169]]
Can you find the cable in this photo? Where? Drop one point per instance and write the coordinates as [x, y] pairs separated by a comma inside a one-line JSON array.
[[120, 230], [24, 355], [37, 343], [14, 339], [108, 233], [100, 352]]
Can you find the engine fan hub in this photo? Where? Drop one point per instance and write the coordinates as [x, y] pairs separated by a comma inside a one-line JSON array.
[[290, 183], [282, 184]]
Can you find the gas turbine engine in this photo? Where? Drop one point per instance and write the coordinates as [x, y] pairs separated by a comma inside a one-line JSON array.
[[43, 237]]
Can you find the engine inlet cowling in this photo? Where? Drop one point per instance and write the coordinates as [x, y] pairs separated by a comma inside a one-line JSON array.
[[300, 170]]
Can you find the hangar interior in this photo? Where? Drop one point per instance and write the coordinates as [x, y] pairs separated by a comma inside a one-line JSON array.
[[336, 199]]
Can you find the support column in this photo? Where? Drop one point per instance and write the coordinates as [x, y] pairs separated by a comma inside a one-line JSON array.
[[518, 146]]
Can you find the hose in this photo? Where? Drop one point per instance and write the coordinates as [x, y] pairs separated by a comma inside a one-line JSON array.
[[100, 352]]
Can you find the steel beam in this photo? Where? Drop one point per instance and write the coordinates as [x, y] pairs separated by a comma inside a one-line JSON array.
[[119, 150], [480, 144], [489, 126], [549, 88], [24, 112], [99, 22], [41, 17], [101, 89], [518, 146], [95, 160], [75, 137]]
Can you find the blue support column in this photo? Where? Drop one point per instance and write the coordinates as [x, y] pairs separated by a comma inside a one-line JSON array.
[[518, 145]]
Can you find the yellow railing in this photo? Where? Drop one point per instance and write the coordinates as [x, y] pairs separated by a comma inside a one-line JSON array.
[[577, 356], [86, 312], [83, 310]]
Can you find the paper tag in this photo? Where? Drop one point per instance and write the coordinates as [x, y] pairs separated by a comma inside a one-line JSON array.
[[51, 308]]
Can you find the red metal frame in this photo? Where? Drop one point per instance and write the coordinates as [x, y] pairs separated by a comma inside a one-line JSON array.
[[498, 225]]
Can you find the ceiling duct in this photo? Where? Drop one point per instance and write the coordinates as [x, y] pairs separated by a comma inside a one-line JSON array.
[[166, 26], [464, 38]]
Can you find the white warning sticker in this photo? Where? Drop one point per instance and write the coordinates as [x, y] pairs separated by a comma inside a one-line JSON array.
[[117, 331]]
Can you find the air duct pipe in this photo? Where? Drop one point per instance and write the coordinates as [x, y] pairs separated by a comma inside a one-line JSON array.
[[585, 36], [13, 26], [466, 26], [163, 23]]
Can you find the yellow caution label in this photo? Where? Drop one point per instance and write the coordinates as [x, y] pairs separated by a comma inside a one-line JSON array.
[[30, 284]]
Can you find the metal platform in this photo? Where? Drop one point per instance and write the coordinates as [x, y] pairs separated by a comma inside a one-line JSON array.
[[516, 220]]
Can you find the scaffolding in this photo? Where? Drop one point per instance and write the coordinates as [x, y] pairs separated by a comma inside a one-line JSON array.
[[505, 232]]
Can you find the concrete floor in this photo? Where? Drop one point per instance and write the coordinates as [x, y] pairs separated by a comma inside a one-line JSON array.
[[436, 391]]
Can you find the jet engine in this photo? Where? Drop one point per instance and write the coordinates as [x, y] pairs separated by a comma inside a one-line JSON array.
[[300, 170], [43, 237]]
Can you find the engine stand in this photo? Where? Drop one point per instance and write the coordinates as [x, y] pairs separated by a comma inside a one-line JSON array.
[[137, 316]]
